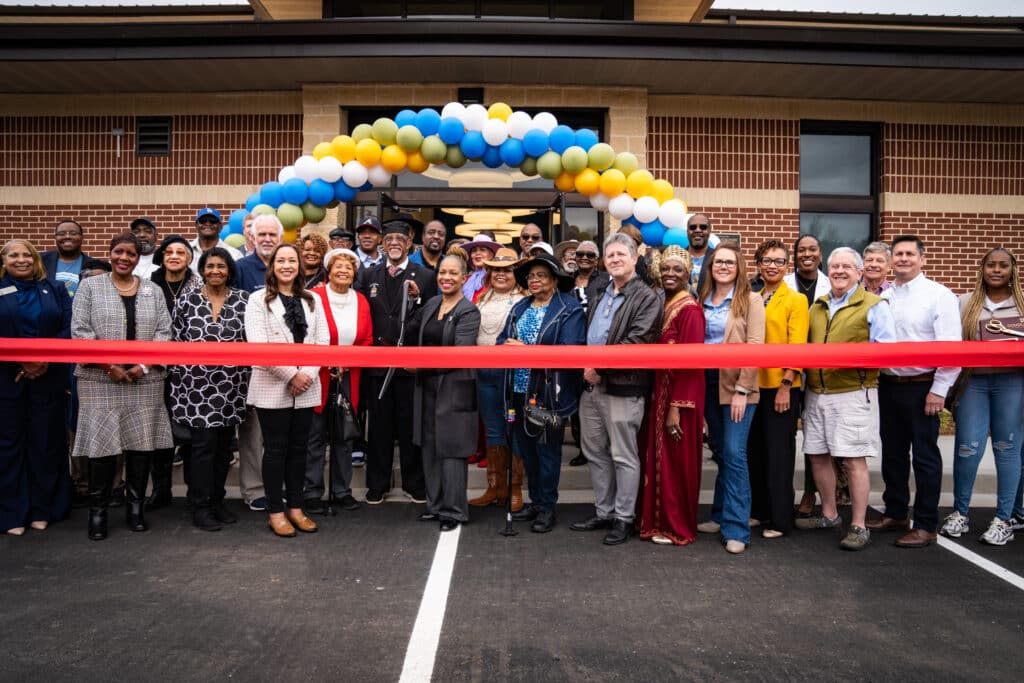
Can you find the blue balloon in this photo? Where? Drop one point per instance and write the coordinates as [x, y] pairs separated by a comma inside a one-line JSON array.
[[676, 236], [321, 192], [428, 121], [344, 193], [586, 138], [272, 193], [492, 157], [225, 231], [631, 221], [562, 138], [653, 233], [535, 142], [366, 186], [473, 145], [253, 200], [451, 130], [237, 221], [512, 152], [406, 117], [295, 191]]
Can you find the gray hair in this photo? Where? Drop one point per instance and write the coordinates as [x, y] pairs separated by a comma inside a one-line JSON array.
[[265, 217], [620, 238], [878, 248], [857, 259], [588, 243]]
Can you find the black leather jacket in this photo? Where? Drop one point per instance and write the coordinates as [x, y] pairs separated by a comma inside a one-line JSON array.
[[638, 321]]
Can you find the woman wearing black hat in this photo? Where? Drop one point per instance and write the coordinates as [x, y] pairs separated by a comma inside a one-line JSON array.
[[547, 316]]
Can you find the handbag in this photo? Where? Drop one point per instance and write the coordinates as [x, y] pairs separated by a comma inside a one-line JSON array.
[[543, 414], [342, 422], [956, 391]]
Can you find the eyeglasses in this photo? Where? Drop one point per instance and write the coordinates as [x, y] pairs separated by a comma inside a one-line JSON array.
[[209, 221], [585, 254], [773, 261], [698, 226], [68, 233], [530, 238], [723, 264], [537, 276]]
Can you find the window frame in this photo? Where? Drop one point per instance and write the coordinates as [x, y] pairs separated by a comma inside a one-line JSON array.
[[838, 203]]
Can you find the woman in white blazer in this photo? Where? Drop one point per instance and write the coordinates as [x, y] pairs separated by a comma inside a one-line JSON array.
[[284, 396]]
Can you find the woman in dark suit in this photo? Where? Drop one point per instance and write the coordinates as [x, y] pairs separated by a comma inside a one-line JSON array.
[[35, 484], [447, 398]]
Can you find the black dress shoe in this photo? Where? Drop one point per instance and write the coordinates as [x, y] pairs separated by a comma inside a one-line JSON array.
[[592, 524], [578, 461], [314, 506], [544, 523], [427, 517], [527, 514], [347, 502], [448, 524], [619, 533]]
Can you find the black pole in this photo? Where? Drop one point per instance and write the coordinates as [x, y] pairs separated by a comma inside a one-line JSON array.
[[510, 419]]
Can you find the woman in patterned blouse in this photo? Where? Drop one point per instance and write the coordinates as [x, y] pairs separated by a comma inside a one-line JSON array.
[[210, 399]]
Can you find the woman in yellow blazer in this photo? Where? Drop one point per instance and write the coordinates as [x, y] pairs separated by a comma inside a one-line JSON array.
[[771, 447], [733, 314]]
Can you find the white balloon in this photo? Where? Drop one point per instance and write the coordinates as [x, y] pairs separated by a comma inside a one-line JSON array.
[[646, 209], [476, 117], [518, 123], [713, 241], [599, 201], [495, 132], [329, 169], [455, 110], [672, 214], [379, 176], [546, 121], [354, 174], [286, 174], [306, 168], [621, 207]]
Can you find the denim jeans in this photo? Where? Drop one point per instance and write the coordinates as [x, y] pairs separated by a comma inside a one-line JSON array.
[[990, 404], [542, 461], [731, 506], [491, 387]]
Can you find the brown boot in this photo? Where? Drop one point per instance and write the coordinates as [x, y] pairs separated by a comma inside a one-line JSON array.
[[495, 493], [517, 483]]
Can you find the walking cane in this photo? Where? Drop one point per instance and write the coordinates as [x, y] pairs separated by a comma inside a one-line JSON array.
[[332, 432], [510, 419]]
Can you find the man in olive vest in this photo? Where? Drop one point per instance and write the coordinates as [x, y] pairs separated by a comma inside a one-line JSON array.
[[841, 413]]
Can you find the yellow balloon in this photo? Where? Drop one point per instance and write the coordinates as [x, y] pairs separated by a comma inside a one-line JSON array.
[[322, 150], [290, 235], [639, 184], [416, 163], [662, 190], [566, 182], [368, 152], [613, 182], [344, 148], [393, 158], [588, 182], [499, 110]]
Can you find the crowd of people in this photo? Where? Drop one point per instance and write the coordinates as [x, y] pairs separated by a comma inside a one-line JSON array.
[[97, 434]]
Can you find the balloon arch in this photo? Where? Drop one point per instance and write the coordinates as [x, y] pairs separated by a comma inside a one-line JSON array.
[[574, 160]]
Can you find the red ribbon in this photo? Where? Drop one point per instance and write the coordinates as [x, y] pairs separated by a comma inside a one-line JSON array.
[[652, 356]]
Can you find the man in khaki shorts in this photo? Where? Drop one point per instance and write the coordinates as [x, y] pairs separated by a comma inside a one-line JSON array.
[[841, 412]]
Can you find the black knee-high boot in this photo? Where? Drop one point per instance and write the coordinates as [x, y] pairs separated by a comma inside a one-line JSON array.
[[101, 484], [163, 472], [136, 465]]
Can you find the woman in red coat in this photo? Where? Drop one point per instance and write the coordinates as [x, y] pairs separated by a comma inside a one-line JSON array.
[[348, 321]]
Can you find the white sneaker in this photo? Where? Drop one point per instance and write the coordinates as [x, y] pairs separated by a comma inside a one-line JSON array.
[[955, 525], [1016, 521], [711, 527], [999, 533]]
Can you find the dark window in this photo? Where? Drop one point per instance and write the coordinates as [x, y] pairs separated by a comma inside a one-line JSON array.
[[839, 183], [610, 10], [153, 136]]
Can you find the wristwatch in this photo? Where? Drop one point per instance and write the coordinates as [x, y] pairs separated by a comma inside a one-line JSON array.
[[145, 370], [787, 382], [741, 391]]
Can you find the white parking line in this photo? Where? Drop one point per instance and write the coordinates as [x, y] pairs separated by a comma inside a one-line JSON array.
[[426, 632]]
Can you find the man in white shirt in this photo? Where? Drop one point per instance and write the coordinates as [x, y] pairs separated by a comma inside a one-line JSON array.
[[910, 399], [145, 230], [208, 226]]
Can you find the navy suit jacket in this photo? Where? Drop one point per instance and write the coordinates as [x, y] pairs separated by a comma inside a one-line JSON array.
[[50, 262], [54, 322]]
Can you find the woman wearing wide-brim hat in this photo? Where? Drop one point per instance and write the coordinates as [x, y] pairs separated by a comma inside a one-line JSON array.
[[547, 316], [478, 250]]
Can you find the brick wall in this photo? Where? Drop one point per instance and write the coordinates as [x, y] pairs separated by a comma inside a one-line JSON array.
[[206, 150], [753, 225]]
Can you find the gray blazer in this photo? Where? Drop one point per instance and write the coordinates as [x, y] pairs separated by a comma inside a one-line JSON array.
[[456, 406], [97, 313]]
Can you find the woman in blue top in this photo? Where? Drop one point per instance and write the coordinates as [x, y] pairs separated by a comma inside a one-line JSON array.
[[35, 484], [547, 316]]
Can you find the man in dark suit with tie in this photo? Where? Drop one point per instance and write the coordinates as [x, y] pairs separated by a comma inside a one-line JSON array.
[[390, 417]]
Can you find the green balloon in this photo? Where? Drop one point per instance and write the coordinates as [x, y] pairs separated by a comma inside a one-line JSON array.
[[363, 131], [263, 208], [454, 158], [626, 162], [384, 131], [433, 149], [235, 240], [333, 203], [574, 159], [290, 215], [601, 156], [529, 166], [409, 138], [312, 212], [549, 165]]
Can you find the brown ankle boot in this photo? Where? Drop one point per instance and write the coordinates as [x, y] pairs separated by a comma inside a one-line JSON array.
[[517, 483], [495, 493]]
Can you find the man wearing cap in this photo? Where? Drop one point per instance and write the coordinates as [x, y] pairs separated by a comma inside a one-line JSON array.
[[541, 247], [342, 238], [145, 231], [565, 252], [434, 234], [251, 271], [529, 236], [390, 416], [369, 235], [208, 226]]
